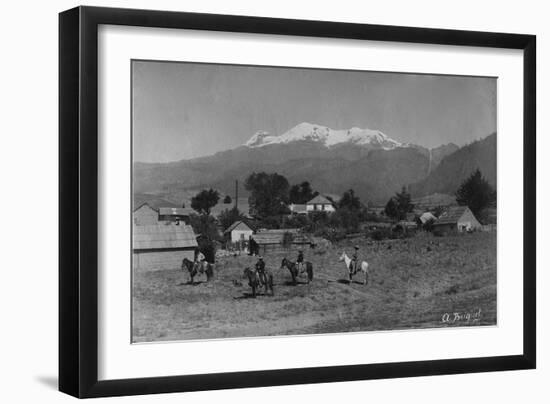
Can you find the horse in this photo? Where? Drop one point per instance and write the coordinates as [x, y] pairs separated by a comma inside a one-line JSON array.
[[363, 268], [293, 268], [256, 281], [199, 267]]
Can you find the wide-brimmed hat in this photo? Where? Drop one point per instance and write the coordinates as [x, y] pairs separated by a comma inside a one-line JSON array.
[[356, 247]]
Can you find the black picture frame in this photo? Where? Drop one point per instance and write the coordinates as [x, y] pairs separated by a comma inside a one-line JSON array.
[[78, 200]]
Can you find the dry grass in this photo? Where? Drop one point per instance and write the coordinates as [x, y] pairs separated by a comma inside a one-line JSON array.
[[412, 284]]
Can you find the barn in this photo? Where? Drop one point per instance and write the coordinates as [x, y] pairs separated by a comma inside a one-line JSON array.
[[144, 215], [320, 204], [162, 246], [238, 232], [458, 218]]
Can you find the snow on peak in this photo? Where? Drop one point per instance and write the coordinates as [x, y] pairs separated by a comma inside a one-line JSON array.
[[328, 137]]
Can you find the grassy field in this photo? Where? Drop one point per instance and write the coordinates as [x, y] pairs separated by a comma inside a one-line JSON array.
[[412, 284]]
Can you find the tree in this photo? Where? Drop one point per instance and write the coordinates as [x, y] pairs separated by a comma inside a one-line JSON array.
[[205, 200], [229, 216], [206, 230], [269, 194], [399, 205], [350, 201], [391, 209], [476, 193], [227, 200], [302, 193]]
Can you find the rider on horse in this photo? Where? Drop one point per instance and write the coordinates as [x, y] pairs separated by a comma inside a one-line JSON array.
[[300, 261], [260, 270], [199, 259], [354, 260]]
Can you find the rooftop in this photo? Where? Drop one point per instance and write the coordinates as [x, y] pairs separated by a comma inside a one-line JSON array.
[[159, 236]]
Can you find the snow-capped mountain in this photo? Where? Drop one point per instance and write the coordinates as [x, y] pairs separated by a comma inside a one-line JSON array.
[[326, 136]]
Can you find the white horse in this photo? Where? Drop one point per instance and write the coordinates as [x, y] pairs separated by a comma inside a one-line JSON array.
[[364, 267]]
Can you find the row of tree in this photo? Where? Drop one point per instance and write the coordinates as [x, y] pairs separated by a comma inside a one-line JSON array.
[[474, 192]]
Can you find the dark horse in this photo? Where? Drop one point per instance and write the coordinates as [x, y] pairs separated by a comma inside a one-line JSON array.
[[198, 268], [256, 281], [293, 268]]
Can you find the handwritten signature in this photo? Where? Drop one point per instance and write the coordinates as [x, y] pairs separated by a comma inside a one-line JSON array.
[[462, 317]]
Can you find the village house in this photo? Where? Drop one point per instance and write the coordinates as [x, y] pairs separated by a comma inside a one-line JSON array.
[[320, 204], [238, 232], [145, 215], [298, 208], [457, 218], [162, 246]]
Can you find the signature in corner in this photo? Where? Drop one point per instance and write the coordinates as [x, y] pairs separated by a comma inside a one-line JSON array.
[[461, 317]]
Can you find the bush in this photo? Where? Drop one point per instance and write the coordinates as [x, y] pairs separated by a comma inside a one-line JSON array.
[[381, 234], [438, 232]]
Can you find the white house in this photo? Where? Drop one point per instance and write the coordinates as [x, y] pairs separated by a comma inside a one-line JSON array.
[[320, 204], [239, 231]]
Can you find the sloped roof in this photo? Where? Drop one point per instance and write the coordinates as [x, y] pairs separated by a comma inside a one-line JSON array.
[[145, 205], [320, 199], [452, 215], [235, 225], [276, 236], [175, 211], [268, 238], [158, 236]]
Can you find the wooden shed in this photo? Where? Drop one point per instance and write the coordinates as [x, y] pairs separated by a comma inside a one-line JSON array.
[[162, 246], [145, 215], [458, 218], [274, 239]]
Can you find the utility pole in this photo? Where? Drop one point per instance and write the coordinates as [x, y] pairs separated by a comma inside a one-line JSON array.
[[236, 194]]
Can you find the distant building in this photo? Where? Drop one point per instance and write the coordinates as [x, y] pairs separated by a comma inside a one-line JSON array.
[[162, 246], [238, 232], [320, 204], [274, 239], [458, 218], [145, 215], [174, 215], [298, 208]]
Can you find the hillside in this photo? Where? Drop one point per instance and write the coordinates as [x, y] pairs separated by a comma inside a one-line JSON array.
[[456, 167], [368, 161]]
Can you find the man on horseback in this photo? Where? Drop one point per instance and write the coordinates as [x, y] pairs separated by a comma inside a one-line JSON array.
[[199, 259], [300, 261], [260, 270], [354, 260]]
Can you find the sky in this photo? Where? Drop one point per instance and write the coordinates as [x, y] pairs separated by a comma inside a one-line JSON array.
[[187, 110]]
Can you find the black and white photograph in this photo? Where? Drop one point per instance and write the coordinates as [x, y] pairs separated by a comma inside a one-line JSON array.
[[271, 201]]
